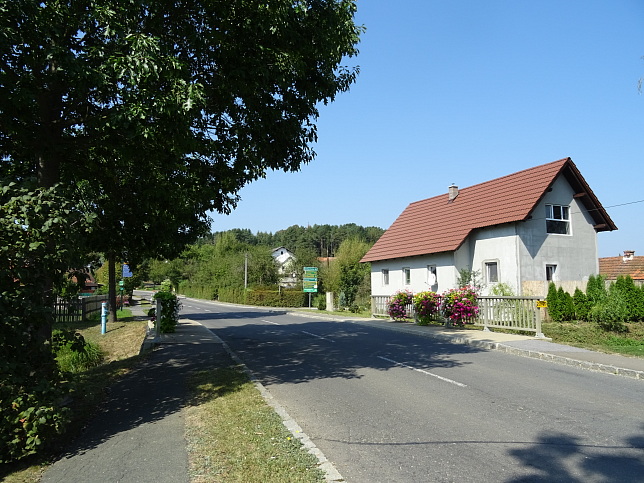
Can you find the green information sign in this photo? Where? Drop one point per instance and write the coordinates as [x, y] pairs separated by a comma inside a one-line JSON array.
[[310, 279]]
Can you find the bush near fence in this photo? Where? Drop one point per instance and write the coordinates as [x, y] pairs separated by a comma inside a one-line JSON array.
[[198, 291]]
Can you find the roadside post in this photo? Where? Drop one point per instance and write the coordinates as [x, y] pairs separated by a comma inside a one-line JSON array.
[[103, 317], [310, 281]]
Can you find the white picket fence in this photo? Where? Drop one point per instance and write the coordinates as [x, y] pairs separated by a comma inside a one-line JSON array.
[[515, 313]]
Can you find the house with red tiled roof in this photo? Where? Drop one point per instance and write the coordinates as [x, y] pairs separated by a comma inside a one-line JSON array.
[[626, 265], [524, 229]]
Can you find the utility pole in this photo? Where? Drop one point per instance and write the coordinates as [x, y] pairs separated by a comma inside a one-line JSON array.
[[245, 270]]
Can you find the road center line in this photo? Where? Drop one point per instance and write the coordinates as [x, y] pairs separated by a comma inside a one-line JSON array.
[[424, 372], [271, 322], [318, 336]]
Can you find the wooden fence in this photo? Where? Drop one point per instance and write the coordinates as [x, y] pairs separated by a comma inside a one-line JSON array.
[[516, 313], [78, 309]]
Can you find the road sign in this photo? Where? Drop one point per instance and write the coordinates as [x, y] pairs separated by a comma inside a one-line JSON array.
[[542, 304], [310, 279]]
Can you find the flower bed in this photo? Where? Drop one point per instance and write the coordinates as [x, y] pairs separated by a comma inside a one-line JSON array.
[[427, 307], [460, 305], [398, 303]]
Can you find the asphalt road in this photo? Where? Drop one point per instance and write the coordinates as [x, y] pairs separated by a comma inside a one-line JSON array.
[[389, 406]]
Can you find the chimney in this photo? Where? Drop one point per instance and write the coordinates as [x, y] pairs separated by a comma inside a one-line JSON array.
[[452, 192], [628, 255]]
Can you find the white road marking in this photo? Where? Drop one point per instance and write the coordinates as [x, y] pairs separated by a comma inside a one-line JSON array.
[[424, 372], [271, 322], [318, 336]]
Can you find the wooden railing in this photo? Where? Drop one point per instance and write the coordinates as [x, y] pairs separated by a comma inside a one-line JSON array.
[[516, 313], [78, 309]]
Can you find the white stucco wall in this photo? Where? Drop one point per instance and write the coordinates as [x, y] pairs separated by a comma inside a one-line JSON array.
[[497, 244], [445, 274]]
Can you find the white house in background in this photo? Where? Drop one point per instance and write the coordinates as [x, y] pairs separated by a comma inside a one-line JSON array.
[[524, 229], [285, 261]]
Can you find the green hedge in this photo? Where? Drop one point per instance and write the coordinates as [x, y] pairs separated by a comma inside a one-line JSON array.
[[198, 291], [261, 297]]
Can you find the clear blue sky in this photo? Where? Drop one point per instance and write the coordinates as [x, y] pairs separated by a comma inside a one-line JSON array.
[[467, 91]]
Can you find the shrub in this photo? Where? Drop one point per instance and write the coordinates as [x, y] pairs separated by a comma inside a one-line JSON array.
[[74, 353], [170, 307], [566, 305], [460, 304], [276, 298], [596, 289], [397, 307], [319, 301], [426, 305], [554, 307], [632, 297], [581, 305], [29, 421], [612, 312], [502, 289]]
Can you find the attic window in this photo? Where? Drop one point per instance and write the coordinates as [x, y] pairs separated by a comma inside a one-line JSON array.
[[558, 219]]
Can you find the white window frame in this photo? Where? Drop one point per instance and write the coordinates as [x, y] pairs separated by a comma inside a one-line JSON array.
[[551, 272], [488, 265], [406, 274], [432, 275], [385, 276], [557, 215]]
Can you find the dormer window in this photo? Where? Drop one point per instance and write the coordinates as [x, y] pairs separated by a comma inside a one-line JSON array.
[[558, 219]]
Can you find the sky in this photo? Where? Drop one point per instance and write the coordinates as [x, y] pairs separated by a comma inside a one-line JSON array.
[[465, 91]]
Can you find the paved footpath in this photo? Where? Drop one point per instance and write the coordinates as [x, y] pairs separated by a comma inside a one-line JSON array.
[[138, 435]]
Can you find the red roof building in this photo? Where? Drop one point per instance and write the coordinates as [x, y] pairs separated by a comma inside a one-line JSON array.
[[626, 265], [525, 221]]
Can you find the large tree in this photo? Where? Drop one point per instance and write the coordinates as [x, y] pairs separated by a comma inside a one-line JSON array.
[[157, 112], [149, 114]]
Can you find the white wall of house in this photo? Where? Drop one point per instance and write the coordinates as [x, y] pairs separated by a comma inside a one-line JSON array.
[[496, 253], [420, 274]]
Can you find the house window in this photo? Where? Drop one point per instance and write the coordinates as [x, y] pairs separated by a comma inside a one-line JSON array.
[[432, 279], [385, 276], [558, 219], [492, 272], [407, 276], [551, 273]]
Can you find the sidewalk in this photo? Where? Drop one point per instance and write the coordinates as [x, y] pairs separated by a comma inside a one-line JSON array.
[[138, 435]]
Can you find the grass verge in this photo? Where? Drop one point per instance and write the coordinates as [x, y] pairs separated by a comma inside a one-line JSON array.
[[588, 335], [234, 436]]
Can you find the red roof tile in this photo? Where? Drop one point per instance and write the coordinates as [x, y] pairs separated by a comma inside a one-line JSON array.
[[437, 225], [613, 267]]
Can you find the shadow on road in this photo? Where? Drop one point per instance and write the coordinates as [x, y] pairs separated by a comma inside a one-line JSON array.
[[296, 352], [565, 457]]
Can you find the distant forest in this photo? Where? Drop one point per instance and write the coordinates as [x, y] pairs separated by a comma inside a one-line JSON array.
[[324, 240]]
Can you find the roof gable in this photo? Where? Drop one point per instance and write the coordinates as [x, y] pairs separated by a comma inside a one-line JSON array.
[[444, 225]]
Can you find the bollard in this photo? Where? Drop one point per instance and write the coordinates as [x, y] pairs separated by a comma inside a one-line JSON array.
[[103, 317]]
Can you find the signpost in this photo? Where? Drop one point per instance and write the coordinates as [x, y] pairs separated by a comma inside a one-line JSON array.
[[310, 281]]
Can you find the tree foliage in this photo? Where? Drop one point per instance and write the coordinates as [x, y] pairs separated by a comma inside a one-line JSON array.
[[148, 115]]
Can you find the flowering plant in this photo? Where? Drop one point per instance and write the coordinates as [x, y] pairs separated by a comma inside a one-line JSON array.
[[426, 305], [460, 304], [398, 303]]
